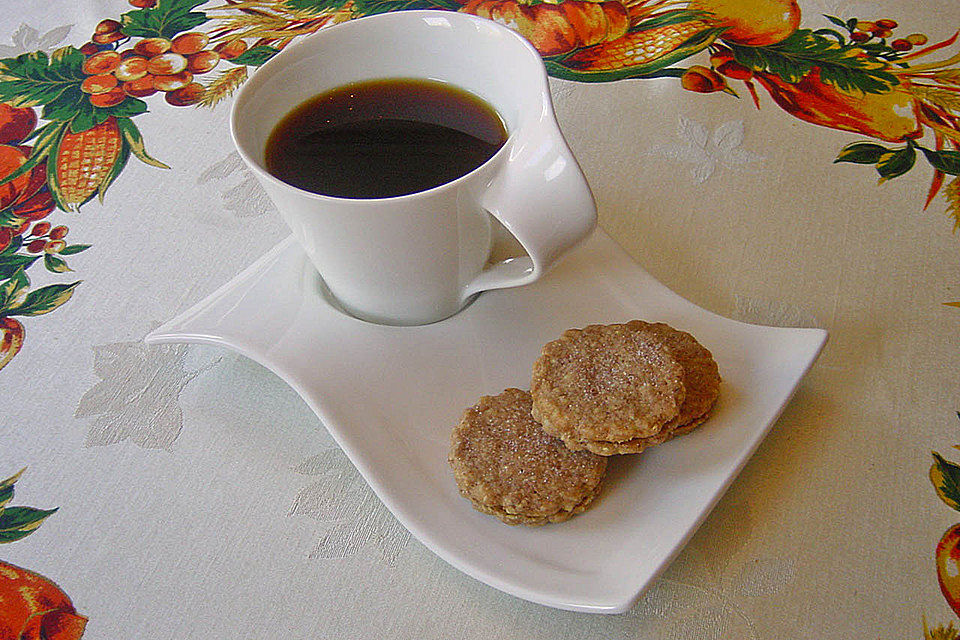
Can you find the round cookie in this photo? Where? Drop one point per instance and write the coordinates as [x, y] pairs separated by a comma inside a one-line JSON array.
[[701, 378], [607, 383], [507, 466]]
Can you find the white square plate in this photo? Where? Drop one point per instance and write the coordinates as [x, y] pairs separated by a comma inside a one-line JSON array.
[[391, 395]]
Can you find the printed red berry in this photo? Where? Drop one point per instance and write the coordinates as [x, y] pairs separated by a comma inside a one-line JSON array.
[[859, 36], [887, 24], [57, 233], [230, 50], [901, 44], [101, 63], [40, 229], [89, 49], [98, 84], [108, 99], [189, 43], [172, 82], [36, 246], [107, 38], [107, 26], [131, 68], [55, 246], [140, 88], [166, 64], [149, 47], [143, 4], [202, 62], [187, 95]]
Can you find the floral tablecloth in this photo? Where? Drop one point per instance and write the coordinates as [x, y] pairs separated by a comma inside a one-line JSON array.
[[783, 162]]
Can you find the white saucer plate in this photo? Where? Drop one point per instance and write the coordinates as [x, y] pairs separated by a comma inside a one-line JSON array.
[[391, 395]]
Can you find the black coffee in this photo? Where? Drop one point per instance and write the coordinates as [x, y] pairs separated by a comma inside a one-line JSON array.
[[383, 138]]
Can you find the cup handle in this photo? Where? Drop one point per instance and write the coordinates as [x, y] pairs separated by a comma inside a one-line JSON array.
[[542, 198]]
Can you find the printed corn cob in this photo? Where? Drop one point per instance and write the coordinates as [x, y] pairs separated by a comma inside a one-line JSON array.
[[82, 164], [85, 159], [641, 52]]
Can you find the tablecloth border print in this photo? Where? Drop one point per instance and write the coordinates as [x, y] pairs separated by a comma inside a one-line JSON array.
[[853, 76]]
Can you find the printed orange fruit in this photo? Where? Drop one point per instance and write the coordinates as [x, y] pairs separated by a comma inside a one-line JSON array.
[[755, 23], [16, 123], [34, 608], [11, 339], [11, 159], [948, 566], [887, 116], [701, 79]]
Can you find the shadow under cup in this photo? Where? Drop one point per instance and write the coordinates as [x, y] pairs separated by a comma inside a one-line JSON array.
[[416, 258]]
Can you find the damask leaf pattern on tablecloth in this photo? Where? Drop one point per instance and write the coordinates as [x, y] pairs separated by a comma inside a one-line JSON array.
[[239, 191], [26, 39], [138, 395], [354, 519], [707, 151]]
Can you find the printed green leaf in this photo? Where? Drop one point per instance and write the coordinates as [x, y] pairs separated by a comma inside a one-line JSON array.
[[43, 300], [946, 161], [110, 176], [164, 20], [33, 79], [255, 56], [55, 264], [6, 488], [18, 522], [13, 289], [71, 249], [945, 477], [894, 164], [11, 263], [862, 153], [134, 140], [836, 21], [840, 65]]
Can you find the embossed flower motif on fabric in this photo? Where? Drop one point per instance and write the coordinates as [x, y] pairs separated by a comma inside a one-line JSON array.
[[138, 395], [26, 39], [707, 151], [354, 519]]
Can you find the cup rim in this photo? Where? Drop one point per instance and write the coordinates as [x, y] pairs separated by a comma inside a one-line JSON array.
[[411, 14]]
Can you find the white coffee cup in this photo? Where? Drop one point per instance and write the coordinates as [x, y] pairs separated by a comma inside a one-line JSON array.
[[419, 258]]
